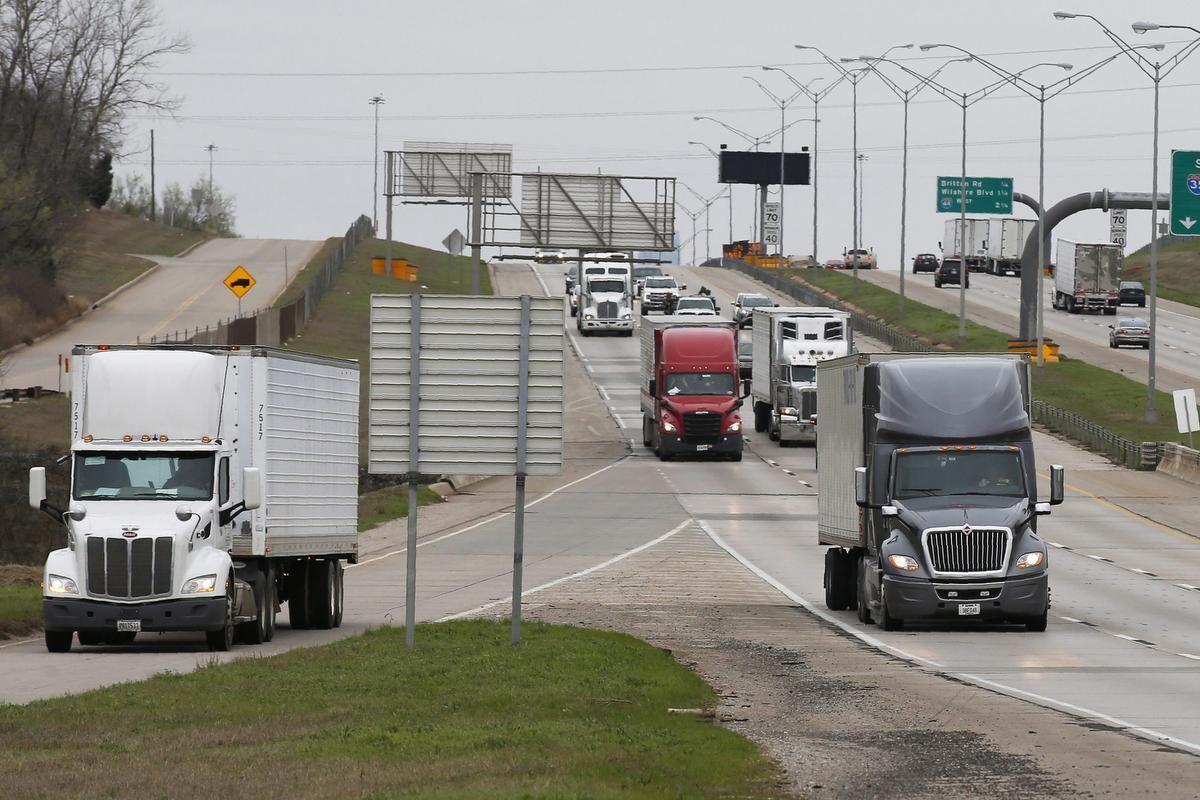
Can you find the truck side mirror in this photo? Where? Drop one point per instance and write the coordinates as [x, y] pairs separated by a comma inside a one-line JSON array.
[[860, 487], [252, 489], [1058, 481], [653, 387], [37, 487]]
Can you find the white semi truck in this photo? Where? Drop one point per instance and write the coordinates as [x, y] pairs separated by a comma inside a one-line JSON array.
[[208, 486], [1005, 242], [973, 249], [606, 303], [787, 345], [1087, 277]]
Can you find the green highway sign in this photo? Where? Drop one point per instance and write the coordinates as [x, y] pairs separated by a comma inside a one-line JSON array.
[[984, 195], [1185, 192]]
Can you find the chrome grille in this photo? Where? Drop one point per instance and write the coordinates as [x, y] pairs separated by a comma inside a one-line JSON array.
[[606, 310], [701, 428], [967, 550], [129, 568], [808, 403]]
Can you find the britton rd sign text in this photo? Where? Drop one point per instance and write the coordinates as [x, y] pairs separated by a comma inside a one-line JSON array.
[[984, 195]]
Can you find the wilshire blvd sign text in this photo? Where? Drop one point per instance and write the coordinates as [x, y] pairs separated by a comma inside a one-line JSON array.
[[984, 195]]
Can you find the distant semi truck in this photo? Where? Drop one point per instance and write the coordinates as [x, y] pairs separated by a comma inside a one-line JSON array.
[[1005, 242], [972, 248], [208, 485], [788, 343], [1087, 277], [927, 489], [689, 387]]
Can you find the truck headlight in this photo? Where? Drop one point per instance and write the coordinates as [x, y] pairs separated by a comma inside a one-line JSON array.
[[57, 584], [903, 563], [588, 316], [669, 426], [626, 315], [788, 411], [205, 584], [1031, 560], [735, 427]]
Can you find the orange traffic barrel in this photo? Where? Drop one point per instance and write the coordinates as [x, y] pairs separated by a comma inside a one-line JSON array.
[[378, 265]]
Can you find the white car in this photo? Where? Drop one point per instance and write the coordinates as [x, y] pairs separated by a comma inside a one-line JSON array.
[[744, 305], [549, 256], [695, 307]]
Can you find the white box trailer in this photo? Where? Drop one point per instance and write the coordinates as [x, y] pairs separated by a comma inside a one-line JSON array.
[[787, 344], [1006, 242], [973, 250], [1087, 277], [208, 484]]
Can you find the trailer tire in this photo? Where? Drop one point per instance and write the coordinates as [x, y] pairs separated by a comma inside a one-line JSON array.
[[270, 598], [221, 640], [647, 431], [59, 641], [321, 589], [298, 595], [863, 609], [339, 596]]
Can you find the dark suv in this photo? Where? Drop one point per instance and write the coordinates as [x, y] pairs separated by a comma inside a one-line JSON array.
[[925, 262], [950, 271], [1131, 293]]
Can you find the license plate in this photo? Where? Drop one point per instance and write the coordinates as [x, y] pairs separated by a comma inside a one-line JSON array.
[[700, 448], [134, 625], [968, 609]]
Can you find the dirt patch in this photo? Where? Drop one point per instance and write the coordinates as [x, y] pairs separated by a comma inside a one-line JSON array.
[[20, 575]]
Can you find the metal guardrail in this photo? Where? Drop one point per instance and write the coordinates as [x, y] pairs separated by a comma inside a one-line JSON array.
[[1131, 454], [275, 326]]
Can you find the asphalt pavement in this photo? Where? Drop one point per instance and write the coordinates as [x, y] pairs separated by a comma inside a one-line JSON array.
[[178, 294]]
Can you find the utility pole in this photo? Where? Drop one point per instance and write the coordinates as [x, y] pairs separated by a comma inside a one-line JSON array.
[[211, 149], [376, 101], [153, 200]]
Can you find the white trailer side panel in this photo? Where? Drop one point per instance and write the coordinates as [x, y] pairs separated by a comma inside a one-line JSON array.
[[1064, 267], [839, 448]]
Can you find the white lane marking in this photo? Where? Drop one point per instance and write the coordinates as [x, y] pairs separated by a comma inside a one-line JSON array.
[[809, 607], [1187, 586], [1056, 544], [1189, 655], [493, 518], [1011, 691], [1143, 572], [806, 483], [573, 576], [29, 640], [1070, 619]]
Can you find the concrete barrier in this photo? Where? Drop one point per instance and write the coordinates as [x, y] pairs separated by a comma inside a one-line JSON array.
[[1180, 462]]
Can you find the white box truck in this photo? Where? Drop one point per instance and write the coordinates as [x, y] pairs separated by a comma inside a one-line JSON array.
[[1005, 242], [208, 485], [787, 344], [1087, 277], [973, 251]]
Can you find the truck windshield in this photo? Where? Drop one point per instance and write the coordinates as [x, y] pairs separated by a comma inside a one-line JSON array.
[[612, 285], [959, 472], [804, 374], [699, 383], [143, 476]]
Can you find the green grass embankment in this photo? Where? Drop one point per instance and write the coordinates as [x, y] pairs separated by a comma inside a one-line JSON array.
[[1108, 399], [569, 713], [1178, 265]]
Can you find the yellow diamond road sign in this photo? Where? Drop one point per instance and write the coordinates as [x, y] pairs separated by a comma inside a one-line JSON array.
[[240, 281]]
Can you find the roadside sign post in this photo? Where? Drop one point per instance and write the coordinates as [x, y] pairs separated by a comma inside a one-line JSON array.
[[771, 225], [1187, 418], [454, 244], [239, 281], [1117, 222], [1185, 193]]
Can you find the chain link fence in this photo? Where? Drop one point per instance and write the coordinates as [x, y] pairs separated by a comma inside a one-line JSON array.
[[1128, 453], [273, 327]]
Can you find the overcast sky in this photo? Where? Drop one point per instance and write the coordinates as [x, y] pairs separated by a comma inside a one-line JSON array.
[[281, 88]]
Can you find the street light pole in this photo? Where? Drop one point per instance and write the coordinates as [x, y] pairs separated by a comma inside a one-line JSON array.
[[376, 101], [728, 193]]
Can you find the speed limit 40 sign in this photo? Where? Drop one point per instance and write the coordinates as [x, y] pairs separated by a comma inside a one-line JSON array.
[[1117, 226]]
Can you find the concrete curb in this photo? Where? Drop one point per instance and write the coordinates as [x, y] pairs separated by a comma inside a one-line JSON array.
[[1180, 462]]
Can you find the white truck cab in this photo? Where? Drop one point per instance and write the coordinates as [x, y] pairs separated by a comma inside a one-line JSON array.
[[606, 303]]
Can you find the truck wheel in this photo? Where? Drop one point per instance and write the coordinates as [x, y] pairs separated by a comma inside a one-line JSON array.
[[762, 417], [837, 592], [1037, 624], [647, 431], [255, 631], [886, 620], [574, 311], [772, 430], [864, 609], [298, 595], [339, 594], [321, 590], [270, 598], [221, 640], [59, 641]]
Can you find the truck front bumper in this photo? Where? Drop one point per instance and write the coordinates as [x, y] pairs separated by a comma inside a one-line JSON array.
[[675, 445], [198, 614], [790, 431], [606, 324], [924, 599]]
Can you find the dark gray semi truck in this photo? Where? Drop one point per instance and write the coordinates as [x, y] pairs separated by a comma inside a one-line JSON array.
[[927, 489]]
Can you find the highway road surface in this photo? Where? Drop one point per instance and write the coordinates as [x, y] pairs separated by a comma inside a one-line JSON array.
[[179, 293], [1122, 649], [994, 301]]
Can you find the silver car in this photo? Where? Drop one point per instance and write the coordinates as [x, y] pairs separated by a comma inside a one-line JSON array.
[[1131, 331]]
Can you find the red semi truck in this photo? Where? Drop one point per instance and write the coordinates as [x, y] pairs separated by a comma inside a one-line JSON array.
[[689, 387]]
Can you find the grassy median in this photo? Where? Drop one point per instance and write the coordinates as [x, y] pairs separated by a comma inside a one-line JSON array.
[[389, 503], [1107, 398], [20, 600], [570, 713]]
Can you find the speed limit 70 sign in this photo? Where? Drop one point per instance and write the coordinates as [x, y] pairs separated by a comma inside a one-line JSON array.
[[771, 214], [1117, 229]]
